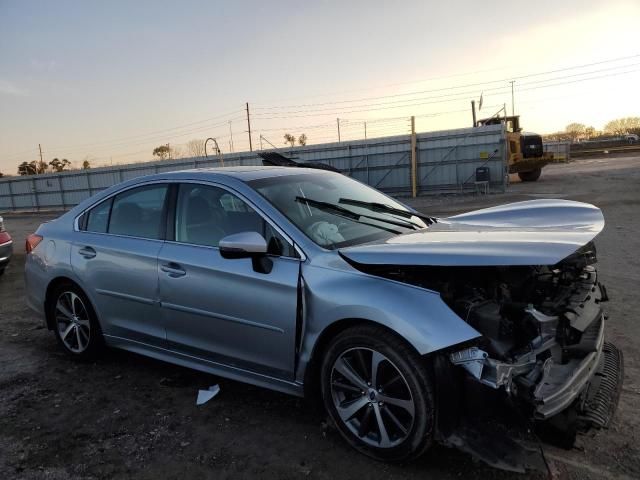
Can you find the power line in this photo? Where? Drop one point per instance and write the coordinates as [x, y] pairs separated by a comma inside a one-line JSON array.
[[153, 132], [444, 100], [462, 95], [477, 84], [444, 77], [151, 139]]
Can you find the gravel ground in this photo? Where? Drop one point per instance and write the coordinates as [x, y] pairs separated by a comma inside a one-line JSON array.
[[127, 416]]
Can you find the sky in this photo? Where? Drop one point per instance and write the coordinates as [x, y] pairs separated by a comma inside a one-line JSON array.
[[109, 81]]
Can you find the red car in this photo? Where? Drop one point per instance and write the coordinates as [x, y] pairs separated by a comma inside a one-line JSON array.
[[6, 247]]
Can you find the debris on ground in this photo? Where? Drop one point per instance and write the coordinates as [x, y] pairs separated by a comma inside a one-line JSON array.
[[205, 395]]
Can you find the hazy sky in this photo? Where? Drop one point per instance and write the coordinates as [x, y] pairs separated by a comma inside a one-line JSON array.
[[113, 79]]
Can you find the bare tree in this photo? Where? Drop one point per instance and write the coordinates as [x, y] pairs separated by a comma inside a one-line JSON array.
[[195, 148], [620, 126], [175, 153], [575, 131], [302, 139]]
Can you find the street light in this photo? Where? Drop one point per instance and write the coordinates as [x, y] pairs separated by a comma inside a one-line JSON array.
[[218, 151]]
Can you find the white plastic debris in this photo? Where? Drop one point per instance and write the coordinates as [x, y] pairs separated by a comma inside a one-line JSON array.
[[205, 395]]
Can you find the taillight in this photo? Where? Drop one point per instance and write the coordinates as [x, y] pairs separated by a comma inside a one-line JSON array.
[[32, 242], [4, 238]]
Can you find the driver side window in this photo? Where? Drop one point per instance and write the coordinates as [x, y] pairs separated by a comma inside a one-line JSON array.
[[206, 214]]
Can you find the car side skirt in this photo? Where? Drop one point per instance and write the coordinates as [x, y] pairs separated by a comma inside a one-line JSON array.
[[207, 366]]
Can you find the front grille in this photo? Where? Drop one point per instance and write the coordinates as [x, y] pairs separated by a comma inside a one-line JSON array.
[[599, 408]]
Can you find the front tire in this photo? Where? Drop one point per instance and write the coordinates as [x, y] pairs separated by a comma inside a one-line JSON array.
[[378, 392], [530, 176], [75, 323]]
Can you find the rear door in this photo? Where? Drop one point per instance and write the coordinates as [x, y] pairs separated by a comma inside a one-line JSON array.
[[225, 310], [115, 255]]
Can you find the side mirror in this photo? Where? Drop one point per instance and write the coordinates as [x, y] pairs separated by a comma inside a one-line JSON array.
[[243, 245]]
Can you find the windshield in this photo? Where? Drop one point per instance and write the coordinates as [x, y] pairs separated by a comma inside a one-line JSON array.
[[335, 211]]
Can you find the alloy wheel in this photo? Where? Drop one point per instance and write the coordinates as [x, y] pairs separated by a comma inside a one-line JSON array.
[[372, 397], [72, 322]]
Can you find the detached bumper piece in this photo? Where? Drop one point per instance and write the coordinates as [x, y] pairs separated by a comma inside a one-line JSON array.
[[604, 391], [561, 384], [595, 406]]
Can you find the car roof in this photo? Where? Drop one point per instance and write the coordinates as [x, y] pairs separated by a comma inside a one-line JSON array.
[[244, 174]]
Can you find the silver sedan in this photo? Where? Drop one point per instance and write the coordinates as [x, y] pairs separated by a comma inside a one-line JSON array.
[[311, 283]]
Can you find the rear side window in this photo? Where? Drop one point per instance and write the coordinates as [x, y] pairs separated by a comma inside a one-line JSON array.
[[139, 212], [98, 217]]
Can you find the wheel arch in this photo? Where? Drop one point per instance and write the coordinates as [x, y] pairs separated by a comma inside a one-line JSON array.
[[51, 288], [331, 331]]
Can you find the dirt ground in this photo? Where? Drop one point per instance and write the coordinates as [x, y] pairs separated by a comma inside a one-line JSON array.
[[126, 416]]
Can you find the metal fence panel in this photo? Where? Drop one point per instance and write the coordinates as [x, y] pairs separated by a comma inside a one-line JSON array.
[[560, 150], [446, 160]]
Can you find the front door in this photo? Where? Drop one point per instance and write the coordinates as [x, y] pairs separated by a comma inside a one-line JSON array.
[[224, 310]]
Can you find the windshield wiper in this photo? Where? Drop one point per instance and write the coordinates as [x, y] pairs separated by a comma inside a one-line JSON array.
[[351, 215], [381, 207]]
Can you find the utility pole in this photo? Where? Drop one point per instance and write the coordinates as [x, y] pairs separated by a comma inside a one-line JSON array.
[[414, 160], [249, 127], [231, 135], [513, 106], [260, 141], [40, 148], [365, 130], [338, 120], [473, 111]]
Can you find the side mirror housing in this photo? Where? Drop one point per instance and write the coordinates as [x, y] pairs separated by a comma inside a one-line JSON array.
[[243, 245]]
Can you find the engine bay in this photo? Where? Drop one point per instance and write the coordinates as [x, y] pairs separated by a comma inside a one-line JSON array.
[[542, 326]]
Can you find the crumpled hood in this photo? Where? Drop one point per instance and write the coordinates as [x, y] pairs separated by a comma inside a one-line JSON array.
[[535, 232]]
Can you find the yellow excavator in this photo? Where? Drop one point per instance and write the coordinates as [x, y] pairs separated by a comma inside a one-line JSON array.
[[526, 155]]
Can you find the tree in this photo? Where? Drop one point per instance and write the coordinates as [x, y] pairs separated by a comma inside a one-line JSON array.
[[589, 132], [27, 168], [302, 139], [1, 174], [59, 165], [86, 163], [195, 148], [162, 152], [575, 130], [288, 138], [175, 152], [620, 126]]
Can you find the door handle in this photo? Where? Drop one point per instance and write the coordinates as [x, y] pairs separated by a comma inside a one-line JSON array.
[[173, 270], [87, 252]]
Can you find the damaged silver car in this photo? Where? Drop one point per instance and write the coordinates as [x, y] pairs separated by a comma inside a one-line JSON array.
[[471, 331]]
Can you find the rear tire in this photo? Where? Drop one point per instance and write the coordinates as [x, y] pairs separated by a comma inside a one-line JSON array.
[[378, 392], [75, 323], [530, 176]]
